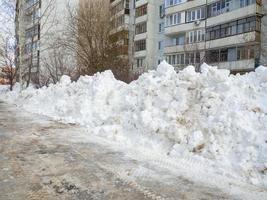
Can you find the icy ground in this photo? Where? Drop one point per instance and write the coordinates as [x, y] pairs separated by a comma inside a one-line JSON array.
[[44, 159], [217, 120]]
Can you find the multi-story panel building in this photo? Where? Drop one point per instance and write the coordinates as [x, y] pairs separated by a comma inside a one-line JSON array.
[[29, 37], [148, 34], [120, 22], [39, 25], [228, 33], [225, 33]]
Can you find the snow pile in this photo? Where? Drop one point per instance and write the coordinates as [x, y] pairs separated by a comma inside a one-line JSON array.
[[4, 88], [210, 116]]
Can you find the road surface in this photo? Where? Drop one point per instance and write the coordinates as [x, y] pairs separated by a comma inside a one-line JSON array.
[[44, 159]]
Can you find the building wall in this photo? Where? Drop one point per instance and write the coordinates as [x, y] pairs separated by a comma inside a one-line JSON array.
[[239, 42], [54, 32], [242, 45], [263, 60], [152, 54], [51, 18]]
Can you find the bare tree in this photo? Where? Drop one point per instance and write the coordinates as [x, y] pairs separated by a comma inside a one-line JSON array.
[[40, 19], [45, 21], [7, 61], [88, 36], [8, 41], [57, 63]]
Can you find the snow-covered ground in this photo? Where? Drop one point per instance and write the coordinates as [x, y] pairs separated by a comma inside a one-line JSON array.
[[3, 89], [213, 118]]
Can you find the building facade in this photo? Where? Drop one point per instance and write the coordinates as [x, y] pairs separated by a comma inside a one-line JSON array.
[[230, 34], [148, 40], [120, 27], [225, 33], [39, 26]]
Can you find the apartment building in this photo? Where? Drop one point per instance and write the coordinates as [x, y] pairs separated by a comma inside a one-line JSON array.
[[148, 26], [225, 33], [120, 22], [39, 25], [230, 34]]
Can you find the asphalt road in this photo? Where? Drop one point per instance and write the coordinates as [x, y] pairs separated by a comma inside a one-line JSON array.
[[44, 159]]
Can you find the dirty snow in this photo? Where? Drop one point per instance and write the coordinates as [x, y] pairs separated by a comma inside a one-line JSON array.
[[212, 116]]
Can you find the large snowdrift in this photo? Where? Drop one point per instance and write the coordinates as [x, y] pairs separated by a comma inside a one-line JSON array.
[[211, 116]]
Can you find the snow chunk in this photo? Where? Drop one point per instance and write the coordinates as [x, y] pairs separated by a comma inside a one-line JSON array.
[[261, 71], [213, 115], [65, 80]]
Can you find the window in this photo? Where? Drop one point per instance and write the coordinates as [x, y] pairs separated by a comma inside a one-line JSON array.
[[196, 36], [223, 6], [173, 2], [31, 47], [179, 59], [141, 28], [161, 27], [182, 59], [117, 8], [140, 11], [140, 45], [140, 62], [197, 59], [213, 56], [251, 52], [161, 11], [173, 19], [127, 4], [34, 16], [119, 21], [233, 28], [196, 14], [231, 54], [160, 45], [32, 31], [242, 53], [179, 40], [219, 7], [30, 3], [224, 55], [191, 37], [173, 59]]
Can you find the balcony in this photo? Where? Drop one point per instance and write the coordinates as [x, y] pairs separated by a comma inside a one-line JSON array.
[[140, 3], [31, 7], [237, 66], [138, 54], [114, 2], [184, 48], [140, 36], [123, 27], [141, 19], [244, 38], [184, 6], [185, 27], [34, 39], [234, 14], [31, 24]]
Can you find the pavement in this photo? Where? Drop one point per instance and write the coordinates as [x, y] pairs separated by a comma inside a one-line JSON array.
[[44, 159]]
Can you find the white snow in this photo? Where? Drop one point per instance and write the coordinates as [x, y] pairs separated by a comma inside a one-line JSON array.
[[212, 116], [4, 88]]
